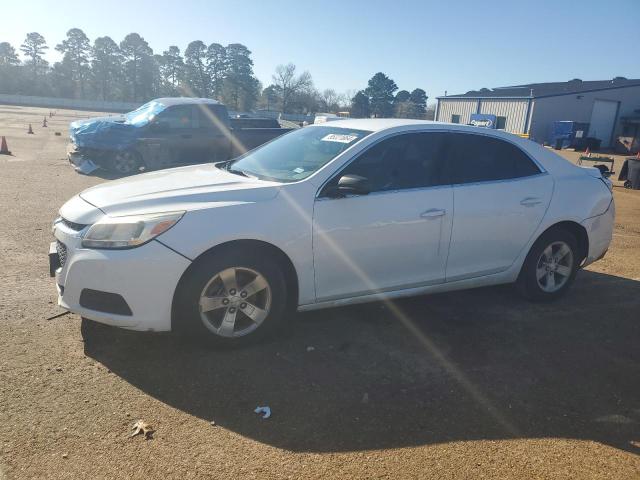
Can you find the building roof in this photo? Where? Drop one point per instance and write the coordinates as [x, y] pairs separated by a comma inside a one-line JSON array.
[[550, 89]]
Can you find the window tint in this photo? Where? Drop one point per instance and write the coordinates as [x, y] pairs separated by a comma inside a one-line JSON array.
[[212, 116], [404, 161], [178, 116], [478, 158], [455, 118]]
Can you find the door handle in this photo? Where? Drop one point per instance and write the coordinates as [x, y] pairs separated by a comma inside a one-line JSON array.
[[530, 201], [433, 213], [186, 135]]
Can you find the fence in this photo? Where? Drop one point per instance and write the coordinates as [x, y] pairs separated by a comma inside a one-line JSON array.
[[70, 103]]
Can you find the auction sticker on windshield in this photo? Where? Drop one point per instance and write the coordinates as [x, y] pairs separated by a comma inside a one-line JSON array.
[[340, 138]]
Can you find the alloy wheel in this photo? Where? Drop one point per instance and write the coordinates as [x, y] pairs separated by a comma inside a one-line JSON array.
[[235, 302], [125, 162], [554, 267]]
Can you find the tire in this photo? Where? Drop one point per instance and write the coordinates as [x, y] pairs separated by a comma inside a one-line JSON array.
[[210, 308], [550, 266], [127, 162]]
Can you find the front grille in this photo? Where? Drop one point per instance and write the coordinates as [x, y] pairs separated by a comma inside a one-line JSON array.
[[72, 225], [61, 248]]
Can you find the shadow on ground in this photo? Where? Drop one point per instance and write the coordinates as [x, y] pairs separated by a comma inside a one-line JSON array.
[[491, 366]]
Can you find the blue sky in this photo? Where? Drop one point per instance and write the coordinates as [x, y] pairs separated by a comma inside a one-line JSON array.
[[435, 45]]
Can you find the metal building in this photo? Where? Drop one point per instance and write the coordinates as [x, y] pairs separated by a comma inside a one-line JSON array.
[[610, 107]]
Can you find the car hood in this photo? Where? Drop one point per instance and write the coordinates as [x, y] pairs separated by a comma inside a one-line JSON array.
[[108, 133], [184, 188]]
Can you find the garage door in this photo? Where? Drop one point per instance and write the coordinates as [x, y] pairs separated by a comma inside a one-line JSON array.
[[603, 118]]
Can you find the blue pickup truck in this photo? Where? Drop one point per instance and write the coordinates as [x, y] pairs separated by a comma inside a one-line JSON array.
[[163, 133]]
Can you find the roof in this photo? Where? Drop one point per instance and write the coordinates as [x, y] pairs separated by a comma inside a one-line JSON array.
[[168, 101], [550, 89], [373, 124]]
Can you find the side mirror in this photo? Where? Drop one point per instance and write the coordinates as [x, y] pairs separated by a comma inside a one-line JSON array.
[[350, 185]]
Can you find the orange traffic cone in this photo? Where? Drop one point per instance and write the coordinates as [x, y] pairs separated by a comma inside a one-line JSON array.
[[30, 131], [44, 122], [4, 150]]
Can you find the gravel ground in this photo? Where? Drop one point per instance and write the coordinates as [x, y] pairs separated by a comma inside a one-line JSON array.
[[475, 384]]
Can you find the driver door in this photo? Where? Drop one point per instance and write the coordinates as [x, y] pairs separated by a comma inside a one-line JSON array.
[[395, 237]]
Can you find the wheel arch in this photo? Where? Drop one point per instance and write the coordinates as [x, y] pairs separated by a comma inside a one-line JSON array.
[[288, 268], [576, 230]]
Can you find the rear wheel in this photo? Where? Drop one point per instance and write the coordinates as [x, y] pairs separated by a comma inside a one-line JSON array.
[[550, 267], [231, 298]]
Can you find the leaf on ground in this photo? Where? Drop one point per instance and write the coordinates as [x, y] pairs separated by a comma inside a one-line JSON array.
[[142, 428]]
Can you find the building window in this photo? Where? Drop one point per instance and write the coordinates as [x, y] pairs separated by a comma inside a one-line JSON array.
[[501, 123], [455, 118]]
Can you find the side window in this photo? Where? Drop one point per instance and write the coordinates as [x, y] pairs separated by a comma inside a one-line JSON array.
[[501, 123], [479, 158], [401, 162], [178, 116], [455, 118]]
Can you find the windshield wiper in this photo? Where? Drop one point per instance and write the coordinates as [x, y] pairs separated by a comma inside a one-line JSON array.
[[238, 172]]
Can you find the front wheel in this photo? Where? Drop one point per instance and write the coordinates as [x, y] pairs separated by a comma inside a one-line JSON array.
[[231, 298], [550, 267], [126, 162]]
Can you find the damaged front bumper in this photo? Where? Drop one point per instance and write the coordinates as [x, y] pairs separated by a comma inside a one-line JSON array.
[[80, 159]]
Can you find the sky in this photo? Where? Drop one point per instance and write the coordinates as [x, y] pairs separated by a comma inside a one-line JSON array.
[[443, 45]]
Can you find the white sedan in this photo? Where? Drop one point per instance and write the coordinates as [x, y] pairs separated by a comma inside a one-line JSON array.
[[334, 214]]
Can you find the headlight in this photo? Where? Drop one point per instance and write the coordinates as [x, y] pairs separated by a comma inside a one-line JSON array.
[[129, 232]]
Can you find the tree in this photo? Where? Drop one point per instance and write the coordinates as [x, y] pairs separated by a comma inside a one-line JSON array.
[[8, 55], [106, 66], [76, 49], [10, 71], [288, 84], [380, 92], [418, 100], [329, 100], [402, 107], [269, 97], [171, 65], [217, 66], [138, 66], [33, 48], [196, 75], [240, 89], [360, 107]]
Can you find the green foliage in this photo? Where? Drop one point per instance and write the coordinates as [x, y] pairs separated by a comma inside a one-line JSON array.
[[106, 68], [75, 69], [8, 55], [139, 66], [360, 107], [380, 92]]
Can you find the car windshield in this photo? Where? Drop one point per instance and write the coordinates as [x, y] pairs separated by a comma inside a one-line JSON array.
[[298, 154], [144, 114]]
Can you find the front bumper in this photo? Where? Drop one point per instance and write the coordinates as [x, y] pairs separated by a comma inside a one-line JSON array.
[[80, 161], [145, 277]]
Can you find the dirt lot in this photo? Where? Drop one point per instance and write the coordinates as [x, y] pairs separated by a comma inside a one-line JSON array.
[[481, 384]]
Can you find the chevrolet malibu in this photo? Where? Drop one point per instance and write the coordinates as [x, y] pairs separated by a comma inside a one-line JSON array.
[[334, 214]]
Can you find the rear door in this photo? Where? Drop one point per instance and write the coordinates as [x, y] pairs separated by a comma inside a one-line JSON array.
[[500, 196], [214, 137]]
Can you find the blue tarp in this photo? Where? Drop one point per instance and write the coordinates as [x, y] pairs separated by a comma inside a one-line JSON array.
[[117, 132]]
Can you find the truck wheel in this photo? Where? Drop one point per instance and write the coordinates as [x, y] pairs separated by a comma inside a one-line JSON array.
[[550, 266], [231, 298], [126, 162]]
